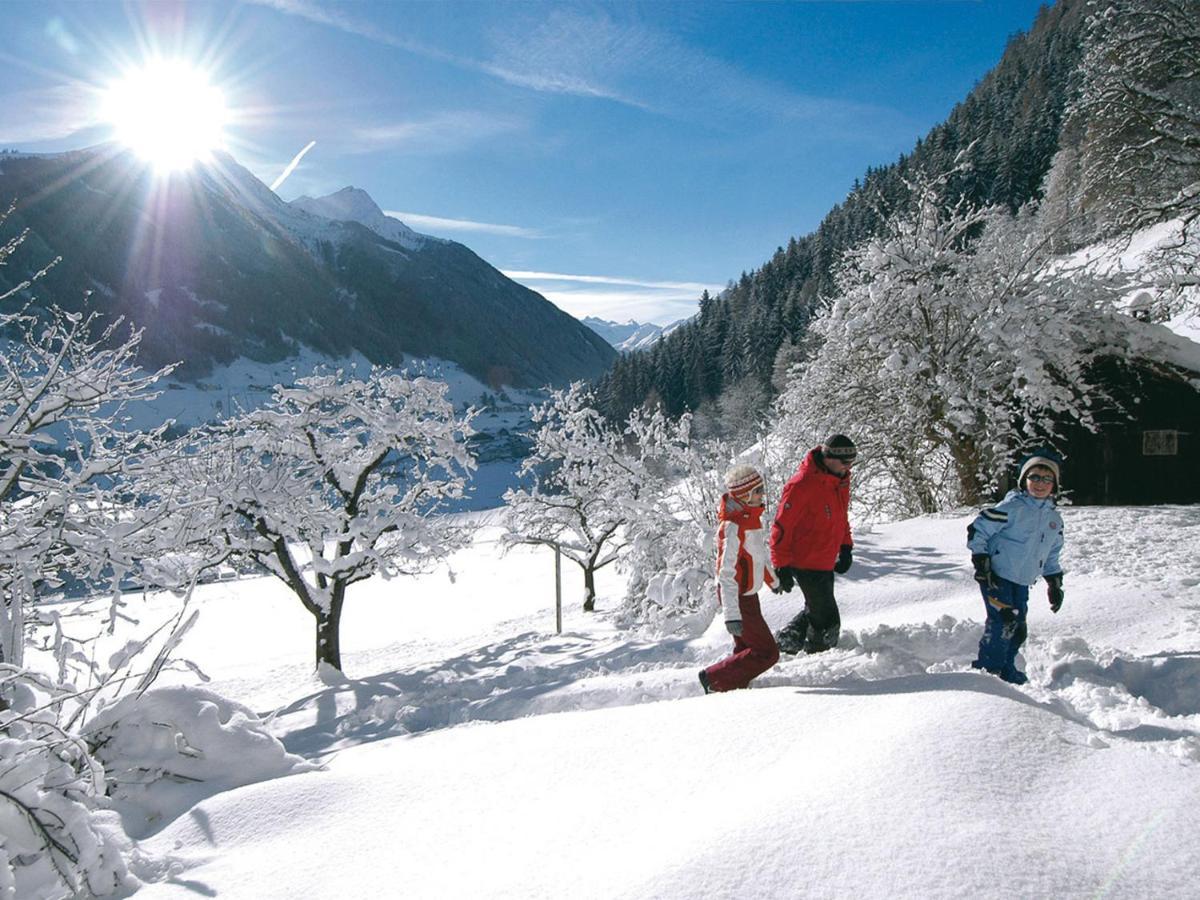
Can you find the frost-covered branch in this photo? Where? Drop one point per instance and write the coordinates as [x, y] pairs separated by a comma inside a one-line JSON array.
[[333, 481]]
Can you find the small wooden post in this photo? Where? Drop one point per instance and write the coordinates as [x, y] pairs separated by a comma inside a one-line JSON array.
[[558, 590]]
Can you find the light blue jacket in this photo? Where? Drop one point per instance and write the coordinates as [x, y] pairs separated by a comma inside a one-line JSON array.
[[1022, 535]]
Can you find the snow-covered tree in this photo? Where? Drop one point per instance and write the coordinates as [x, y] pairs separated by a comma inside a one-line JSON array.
[[65, 383], [589, 480], [955, 339], [332, 481], [1140, 111]]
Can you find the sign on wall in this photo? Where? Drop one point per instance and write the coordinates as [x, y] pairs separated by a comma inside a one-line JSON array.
[[1160, 443]]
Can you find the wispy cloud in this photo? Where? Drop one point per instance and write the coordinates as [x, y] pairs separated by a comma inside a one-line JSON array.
[[48, 114], [562, 82], [617, 299], [443, 132], [591, 53], [291, 167], [594, 53], [694, 286], [336, 17], [437, 223]]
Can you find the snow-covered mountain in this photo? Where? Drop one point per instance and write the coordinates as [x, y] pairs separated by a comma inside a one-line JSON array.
[[631, 335], [214, 266], [352, 204]]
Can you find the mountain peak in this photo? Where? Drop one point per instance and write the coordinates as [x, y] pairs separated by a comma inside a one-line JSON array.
[[351, 204], [356, 203], [631, 335]]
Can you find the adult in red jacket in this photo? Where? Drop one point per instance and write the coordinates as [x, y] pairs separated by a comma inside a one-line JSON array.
[[811, 540]]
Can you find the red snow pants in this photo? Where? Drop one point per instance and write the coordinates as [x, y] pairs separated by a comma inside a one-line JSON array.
[[754, 650]]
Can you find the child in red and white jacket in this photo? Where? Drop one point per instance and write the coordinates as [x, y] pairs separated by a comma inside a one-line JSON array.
[[743, 566]]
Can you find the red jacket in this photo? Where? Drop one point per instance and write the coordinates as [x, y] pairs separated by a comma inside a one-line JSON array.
[[742, 566], [813, 520]]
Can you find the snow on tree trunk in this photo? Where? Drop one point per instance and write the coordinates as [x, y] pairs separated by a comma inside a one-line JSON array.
[[329, 644]]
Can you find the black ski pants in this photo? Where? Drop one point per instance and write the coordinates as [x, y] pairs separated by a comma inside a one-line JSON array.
[[820, 624]]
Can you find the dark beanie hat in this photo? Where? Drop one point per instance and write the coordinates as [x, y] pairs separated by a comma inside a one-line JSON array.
[[839, 447]]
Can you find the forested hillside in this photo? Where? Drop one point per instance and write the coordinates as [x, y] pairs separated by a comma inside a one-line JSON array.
[[741, 343]]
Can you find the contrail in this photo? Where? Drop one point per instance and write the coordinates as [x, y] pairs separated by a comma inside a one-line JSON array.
[[291, 167]]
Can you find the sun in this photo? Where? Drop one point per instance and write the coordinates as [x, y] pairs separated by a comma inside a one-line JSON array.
[[168, 112]]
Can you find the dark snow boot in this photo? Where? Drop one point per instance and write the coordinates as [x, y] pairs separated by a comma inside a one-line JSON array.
[[704, 681], [792, 636], [820, 640], [1013, 675]]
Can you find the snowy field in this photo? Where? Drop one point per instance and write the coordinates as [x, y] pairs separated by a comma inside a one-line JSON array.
[[472, 752]]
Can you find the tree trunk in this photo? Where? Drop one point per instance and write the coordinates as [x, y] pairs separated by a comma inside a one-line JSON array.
[[964, 450], [589, 589], [329, 643]]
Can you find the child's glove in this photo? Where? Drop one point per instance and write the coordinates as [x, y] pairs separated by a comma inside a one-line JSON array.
[[983, 569], [845, 558], [734, 627], [1054, 590], [785, 579]]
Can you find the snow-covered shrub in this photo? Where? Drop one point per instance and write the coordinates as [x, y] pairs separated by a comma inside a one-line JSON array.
[[56, 840], [672, 554], [677, 603], [167, 749]]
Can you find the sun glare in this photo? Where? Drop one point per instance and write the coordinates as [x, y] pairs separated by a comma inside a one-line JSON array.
[[168, 112]]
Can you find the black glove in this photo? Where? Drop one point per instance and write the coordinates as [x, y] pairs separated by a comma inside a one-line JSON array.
[[1007, 614], [785, 579], [734, 627], [983, 569], [845, 558], [1054, 590]]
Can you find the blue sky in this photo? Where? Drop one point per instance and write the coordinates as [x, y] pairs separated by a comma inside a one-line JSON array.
[[638, 151]]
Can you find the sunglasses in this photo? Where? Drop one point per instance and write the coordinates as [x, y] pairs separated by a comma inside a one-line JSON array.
[[1040, 479]]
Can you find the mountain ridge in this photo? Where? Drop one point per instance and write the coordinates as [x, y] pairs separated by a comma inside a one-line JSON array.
[[213, 265], [631, 335]]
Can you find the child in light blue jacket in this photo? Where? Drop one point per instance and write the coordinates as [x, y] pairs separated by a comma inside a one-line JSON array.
[[1012, 544]]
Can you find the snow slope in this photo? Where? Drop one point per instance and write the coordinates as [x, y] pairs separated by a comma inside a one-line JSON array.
[[473, 752], [245, 384]]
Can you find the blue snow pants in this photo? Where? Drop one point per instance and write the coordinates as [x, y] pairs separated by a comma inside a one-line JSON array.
[[1002, 639]]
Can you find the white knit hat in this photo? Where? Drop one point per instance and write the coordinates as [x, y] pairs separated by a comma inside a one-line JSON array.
[[1035, 461], [741, 480]]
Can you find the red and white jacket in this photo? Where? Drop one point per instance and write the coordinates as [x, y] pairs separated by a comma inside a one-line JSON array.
[[742, 559], [813, 519]]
